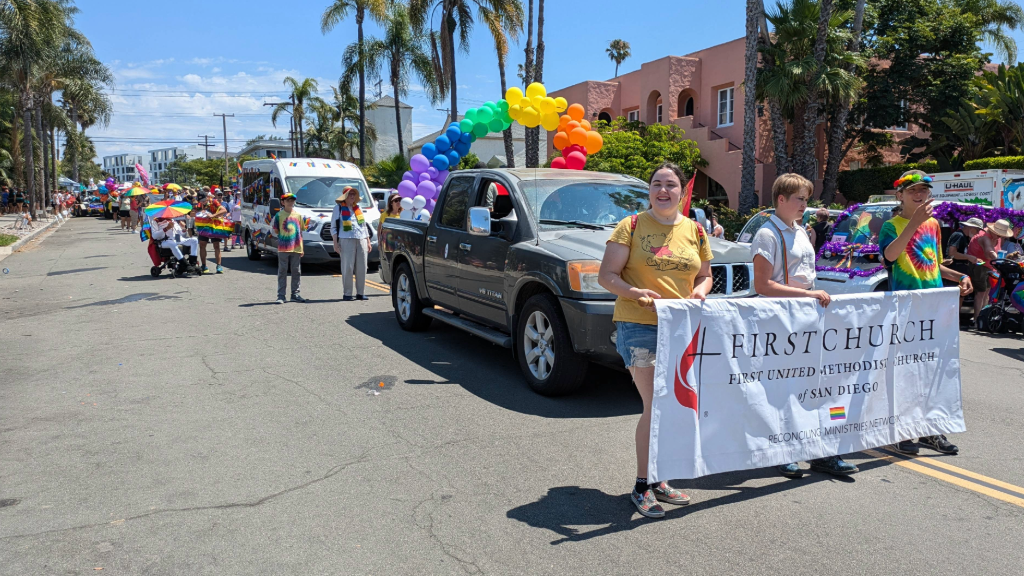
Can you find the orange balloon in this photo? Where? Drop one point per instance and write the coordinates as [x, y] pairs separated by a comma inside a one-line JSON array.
[[594, 142], [563, 120], [576, 112], [572, 125], [585, 125], [578, 136], [561, 140]]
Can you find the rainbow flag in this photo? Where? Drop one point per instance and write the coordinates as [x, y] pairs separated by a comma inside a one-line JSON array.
[[837, 413], [210, 227], [273, 156], [146, 233], [239, 167]]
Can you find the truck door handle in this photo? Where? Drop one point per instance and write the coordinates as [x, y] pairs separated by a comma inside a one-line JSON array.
[[432, 239], [465, 246]]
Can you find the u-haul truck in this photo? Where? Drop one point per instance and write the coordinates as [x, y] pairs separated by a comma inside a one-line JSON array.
[[995, 188]]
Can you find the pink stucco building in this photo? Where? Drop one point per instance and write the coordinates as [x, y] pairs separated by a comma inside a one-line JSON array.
[[702, 94]]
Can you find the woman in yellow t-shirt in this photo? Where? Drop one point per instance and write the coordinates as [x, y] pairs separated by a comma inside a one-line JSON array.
[[657, 254], [392, 210]]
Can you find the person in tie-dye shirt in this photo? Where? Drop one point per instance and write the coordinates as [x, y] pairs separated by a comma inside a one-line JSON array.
[[287, 227], [912, 252]]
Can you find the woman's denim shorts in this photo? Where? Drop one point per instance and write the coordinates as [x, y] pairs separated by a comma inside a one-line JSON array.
[[636, 343]]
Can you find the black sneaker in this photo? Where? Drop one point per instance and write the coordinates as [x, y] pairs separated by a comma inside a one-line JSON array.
[[939, 444], [833, 465], [297, 298], [347, 298], [790, 470], [906, 447], [361, 297]]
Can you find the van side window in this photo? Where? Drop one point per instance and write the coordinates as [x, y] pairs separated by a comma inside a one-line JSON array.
[[453, 213], [278, 189]]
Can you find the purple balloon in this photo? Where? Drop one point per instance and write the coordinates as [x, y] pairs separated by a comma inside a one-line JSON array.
[[426, 189], [419, 163], [423, 177], [430, 205], [409, 176], [442, 176], [407, 189], [433, 172]]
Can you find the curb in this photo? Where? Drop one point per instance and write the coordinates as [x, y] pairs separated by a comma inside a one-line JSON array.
[[6, 251]]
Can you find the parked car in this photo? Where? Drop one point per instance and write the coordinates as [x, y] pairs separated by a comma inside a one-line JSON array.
[[522, 272], [88, 206], [746, 235], [316, 184]]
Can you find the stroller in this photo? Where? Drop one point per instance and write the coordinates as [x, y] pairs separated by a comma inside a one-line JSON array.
[[163, 258], [1005, 312]]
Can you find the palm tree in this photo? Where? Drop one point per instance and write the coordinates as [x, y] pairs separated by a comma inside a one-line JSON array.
[[962, 135], [332, 16], [453, 16], [504, 28], [998, 17], [401, 52], [748, 177], [533, 134], [618, 49], [836, 132], [301, 92], [342, 139]]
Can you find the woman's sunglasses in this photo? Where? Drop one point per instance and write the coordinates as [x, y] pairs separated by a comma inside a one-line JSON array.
[[396, 201]]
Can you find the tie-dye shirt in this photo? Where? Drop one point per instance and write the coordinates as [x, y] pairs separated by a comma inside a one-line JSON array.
[[289, 231], [918, 266]]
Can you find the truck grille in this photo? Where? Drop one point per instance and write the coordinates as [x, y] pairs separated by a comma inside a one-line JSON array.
[[325, 233], [731, 280]]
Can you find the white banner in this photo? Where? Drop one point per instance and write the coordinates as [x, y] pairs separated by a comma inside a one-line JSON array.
[[750, 383]]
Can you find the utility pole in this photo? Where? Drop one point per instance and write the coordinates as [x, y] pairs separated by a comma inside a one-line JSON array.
[[379, 83], [205, 145], [224, 119], [291, 126]]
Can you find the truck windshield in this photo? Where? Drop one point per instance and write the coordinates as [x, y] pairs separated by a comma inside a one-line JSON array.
[[322, 191], [589, 201], [864, 224]]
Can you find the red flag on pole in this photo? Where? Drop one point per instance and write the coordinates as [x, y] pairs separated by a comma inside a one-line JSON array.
[[688, 196]]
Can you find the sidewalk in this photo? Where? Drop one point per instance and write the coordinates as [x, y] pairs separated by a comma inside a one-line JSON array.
[[7, 223]]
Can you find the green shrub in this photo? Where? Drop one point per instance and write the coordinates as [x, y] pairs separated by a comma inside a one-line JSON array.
[[997, 163], [858, 185], [7, 239]]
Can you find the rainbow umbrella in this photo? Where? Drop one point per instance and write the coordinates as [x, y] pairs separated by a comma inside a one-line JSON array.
[[136, 191], [168, 209]]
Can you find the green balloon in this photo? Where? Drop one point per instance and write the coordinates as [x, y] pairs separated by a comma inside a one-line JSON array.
[[470, 115], [466, 125], [472, 137], [505, 118], [491, 105], [505, 125], [503, 105], [480, 129], [496, 125], [484, 115]]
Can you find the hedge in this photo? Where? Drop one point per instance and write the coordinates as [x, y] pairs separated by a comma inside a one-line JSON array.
[[999, 162], [858, 185]]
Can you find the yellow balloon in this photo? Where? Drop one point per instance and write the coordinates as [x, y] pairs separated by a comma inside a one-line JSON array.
[[514, 112], [550, 121], [513, 96], [561, 104], [530, 117], [536, 89], [547, 105]]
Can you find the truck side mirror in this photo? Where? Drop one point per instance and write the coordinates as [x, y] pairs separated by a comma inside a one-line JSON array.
[[479, 221], [382, 204], [275, 206]]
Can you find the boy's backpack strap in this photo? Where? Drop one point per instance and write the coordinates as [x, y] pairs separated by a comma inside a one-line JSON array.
[[784, 249]]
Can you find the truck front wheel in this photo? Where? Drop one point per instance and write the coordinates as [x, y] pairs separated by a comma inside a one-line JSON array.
[[544, 349], [408, 307], [251, 251]]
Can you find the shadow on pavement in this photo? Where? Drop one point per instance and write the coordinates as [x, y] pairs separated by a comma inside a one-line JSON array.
[[565, 507], [492, 373], [1014, 353], [75, 271], [268, 265]]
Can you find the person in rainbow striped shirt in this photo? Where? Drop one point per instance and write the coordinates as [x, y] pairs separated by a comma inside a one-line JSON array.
[[287, 227]]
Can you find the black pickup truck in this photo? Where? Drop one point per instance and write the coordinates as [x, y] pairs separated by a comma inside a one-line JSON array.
[[512, 256]]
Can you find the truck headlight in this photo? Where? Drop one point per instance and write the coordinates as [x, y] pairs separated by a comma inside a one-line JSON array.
[[583, 275]]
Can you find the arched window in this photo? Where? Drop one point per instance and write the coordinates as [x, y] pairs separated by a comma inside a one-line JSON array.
[[605, 117], [688, 111]]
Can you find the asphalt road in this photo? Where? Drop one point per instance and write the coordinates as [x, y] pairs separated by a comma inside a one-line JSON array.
[[189, 426]]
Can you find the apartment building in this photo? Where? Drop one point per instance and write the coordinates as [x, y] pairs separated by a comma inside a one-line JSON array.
[[122, 166]]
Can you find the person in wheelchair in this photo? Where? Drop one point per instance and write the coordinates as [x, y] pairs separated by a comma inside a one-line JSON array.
[[169, 235]]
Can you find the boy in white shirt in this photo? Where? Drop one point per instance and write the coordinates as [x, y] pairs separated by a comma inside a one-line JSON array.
[[784, 268]]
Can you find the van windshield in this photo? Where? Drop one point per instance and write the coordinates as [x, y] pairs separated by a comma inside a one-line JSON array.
[[864, 224], [559, 203], [322, 191]]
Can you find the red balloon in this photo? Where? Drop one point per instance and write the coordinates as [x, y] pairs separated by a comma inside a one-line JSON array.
[[576, 161], [573, 148], [558, 162]]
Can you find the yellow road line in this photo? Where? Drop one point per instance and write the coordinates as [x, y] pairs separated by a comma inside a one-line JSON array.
[[910, 464], [378, 286]]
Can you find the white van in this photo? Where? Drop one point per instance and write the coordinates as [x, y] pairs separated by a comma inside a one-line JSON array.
[[316, 183]]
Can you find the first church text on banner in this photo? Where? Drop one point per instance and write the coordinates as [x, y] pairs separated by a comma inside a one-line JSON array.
[[750, 383]]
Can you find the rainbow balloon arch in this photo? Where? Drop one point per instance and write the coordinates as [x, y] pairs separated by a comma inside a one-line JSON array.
[[574, 138]]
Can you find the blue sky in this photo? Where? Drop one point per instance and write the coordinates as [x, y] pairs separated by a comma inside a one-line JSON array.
[[178, 63]]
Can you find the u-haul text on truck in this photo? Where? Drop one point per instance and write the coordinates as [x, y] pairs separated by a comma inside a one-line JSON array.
[[995, 188]]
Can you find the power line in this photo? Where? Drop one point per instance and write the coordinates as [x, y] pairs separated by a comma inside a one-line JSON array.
[[116, 91]]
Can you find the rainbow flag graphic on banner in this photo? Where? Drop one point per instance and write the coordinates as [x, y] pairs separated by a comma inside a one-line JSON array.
[[837, 413], [210, 227]]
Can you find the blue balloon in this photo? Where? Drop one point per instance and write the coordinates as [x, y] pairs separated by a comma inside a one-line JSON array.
[[453, 157], [453, 132], [441, 162], [454, 125], [442, 143], [466, 137], [461, 147], [429, 150]]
